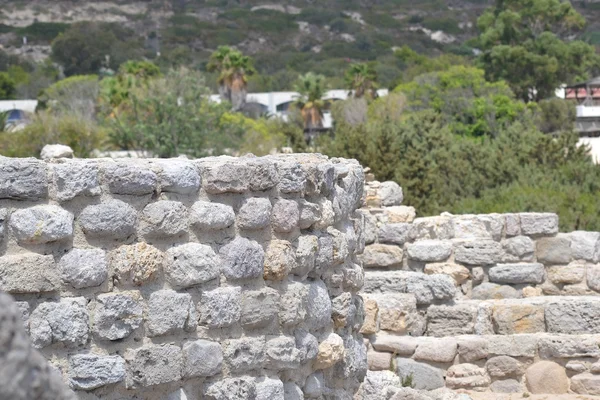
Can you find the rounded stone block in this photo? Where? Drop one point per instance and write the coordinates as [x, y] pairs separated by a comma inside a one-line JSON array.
[[113, 219], [41, 224], [546, 377]]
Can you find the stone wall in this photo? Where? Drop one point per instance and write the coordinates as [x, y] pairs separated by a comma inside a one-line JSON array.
[[220, 278], [499, 302]]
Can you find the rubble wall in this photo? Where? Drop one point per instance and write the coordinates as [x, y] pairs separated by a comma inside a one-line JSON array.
[[221, 278]]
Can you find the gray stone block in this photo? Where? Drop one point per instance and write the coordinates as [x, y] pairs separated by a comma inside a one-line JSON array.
[[202, 358], [472, 348], [63, 322], [428, 288], [163, 219], [429, 250], [117, 315], [513, 224], [113, 219], [524, 345], [538, 224], [191, 264], [245, 354], [23, 179], [28, 273], [493, 291], [83, 268], [91, 371], [381, 256], [480, 252], [281, 353], [129, 178], [390, 194], [286, 216], [228, 175], [375, 385], [3, 217], [573, 316], [220, 307], [151, 365], [518, 248], [242, 259], [554, 250], [454, 320], [263, 174], [592, 275], [41, 224], [506, 386], [306, 250], [310, 213], [319, 305], [442, 350], [270, 389], [585, 246], [504, 367], [569, 346], [259, 308], [170, 312], [517, 273], [255, 213], [293, 177], [438, 227], [178, 177], [389, 233], [211, 216], [425, 377], [237, 388], [75, 178], [307, 345], [314, 385], [294, 304]]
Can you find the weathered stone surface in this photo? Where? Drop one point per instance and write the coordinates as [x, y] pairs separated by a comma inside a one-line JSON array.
[[51, 151], [292, 177], [310, 213], [518, 248], [264, 174], [294, 303], [129, 178], [534, 224], [379, 361], [524, 345], [375, 385], [291, 391], [170, 312], [117, 315], [399, 214], [493, 291], [510, 319], [478, 252], [231, 389], [220, 307], [546, 377], [63, 322], [441, 350], [554, 250], [397, 233], [269, 389], [568, 346], [517, 273], [178, 176], [319, 305], [280, 260], [576, 366], [163, 218], [458, 272], [286, 216], [211, 216], [370, 324], [428, 288], [91, 371], [400, 345], [343, 310], [467, 376], [306, 250], [151, 365], [429, 250], [593, 276], [585, 246], [586, 383], [503, 367], [245, 354], [202, 358], [191, 264], [74, 179], [259, 308], [28, 273], [472, 348], [3, 217], [307, 345], [390, 193], [381, 256], [255, 213], [575, 316], [506, 386], [488, 227], [398, 313], [566, 274], [440, 227], [424, 376], [41, 224], [113, 219], [136, 264], [23, 179], [513, 224], [281, 353], [313, 388], [225, 175], [331, 351], [82, 268], [242, 259], [455, 320]]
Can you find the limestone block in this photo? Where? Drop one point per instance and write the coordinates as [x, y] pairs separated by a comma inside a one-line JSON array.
[[3, 217], [23, 179], [398, 313], [472, 348], [117, 315], [242, 259], [370, 324], [518, 248], [586, 383], [51, 151], [113, 219], [152, 364], [282, 354], [286, 216], [488, 227], [390, 194], [524, 345], [400, 345], [91, 371], [293, 177], [504, 367], [441, 350], [428, 288], [585, 246], [425, 377], [343, 310], [211, 216], [163, 219], [136, 264], [459, 273], [170, 312], [310, 213], [568, 346], [228, 175], [327, 214], [220, 307], [574, 316], [178, 176], [63, 322], [294, 304], [318, 305], [513, 224], [576, 366], [529, 291], [259, 308], [255, 213], [454, 320], [41, 224], [83, 268], [510, 319], [593, 276], [554, 250], [546, 377], [231, 389], [307, 345], [399, 214], [280, 260], [567, 274], [270, 389], [439, 227], [370, 226], [477, 274], [313, 388], [306, 249], [517, 273], [493, 291], [291, 391], [331, 351], [202, 358], [397, 233], [191, 264], [467, 376], [263, 174], [375, 385], [381, 256], [429, 250], [506, 386], [538, 224], [28, 273], [245, 354], [478, 252], [74, 179], [379, 361]]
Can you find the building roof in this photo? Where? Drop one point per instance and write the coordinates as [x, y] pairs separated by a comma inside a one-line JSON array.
[[592, 82], [24, 105]]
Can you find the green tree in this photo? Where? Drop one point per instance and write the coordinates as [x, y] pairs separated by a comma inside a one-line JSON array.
[[233, 68], [132, 74], [76, 95], [7, 87], [311, 88], [361, 79]]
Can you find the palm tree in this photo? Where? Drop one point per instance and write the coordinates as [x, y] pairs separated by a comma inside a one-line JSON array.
[[362, 79], [233, 68], [312, 88]]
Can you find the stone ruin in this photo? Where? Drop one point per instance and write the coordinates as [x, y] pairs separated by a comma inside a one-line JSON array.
[[239, 278]]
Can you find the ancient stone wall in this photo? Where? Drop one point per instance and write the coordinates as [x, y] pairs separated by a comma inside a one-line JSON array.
[[220, 278], [499, 302]]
